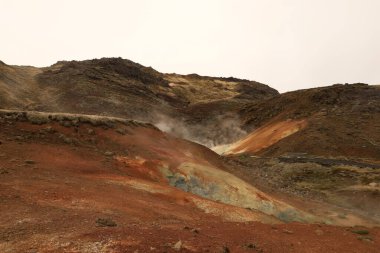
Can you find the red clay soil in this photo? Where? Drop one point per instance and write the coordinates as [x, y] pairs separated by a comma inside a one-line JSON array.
[[53, 191]]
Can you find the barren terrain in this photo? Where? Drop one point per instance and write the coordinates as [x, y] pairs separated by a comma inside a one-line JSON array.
[[98, 156]]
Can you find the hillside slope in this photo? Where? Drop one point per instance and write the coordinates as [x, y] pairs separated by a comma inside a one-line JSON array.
[[79, 183], [321, 144], [81, 172], [121, 88], [340, 120]]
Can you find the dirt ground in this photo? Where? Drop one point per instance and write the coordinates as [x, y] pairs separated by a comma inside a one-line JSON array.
[[62, 189]]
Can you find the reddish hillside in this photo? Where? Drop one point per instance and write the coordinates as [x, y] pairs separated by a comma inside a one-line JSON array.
[[75, 183]]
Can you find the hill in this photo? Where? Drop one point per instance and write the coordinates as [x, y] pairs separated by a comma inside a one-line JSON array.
[[339, 120], [91, 183], [121, 88], [321, 144], [105, 155]]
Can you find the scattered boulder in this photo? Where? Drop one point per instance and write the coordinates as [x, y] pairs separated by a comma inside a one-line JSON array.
[[225, 249], [19, 138], [30, 162], [366, 238], [109, 153], [66, 123], [68, 140], [3, 171], [65, 139], [106, 222], [178, 245], [286, 231], [318, 232], [50, 130], [195, 231], [250, 246], [120, 131]]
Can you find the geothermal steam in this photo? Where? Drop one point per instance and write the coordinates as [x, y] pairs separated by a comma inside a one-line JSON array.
[[217, 131]]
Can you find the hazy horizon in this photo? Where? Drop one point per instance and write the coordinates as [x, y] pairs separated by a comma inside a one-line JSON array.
[[288, 45]]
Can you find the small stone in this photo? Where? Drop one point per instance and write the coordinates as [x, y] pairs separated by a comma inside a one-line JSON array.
[[373, 184], [30, 162], [287, 231], [109, 153], [225, 249], [250, 246], [19, 138], [365, 238], [3, 171], [106, 222], [67, 140], [120, 131], [319, 232], [50, 129], [90, 131], [66, 124], [178, 245], [194, 230]]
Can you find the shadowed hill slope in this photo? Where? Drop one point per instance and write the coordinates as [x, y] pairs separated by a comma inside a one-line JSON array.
[[122, 88], [321, 144], [340, 120]]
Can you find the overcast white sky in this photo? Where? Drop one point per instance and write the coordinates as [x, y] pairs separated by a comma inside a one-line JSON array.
[[287, 44]]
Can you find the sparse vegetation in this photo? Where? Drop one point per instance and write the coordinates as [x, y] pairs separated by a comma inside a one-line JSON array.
[[361, 232], [68, 120]]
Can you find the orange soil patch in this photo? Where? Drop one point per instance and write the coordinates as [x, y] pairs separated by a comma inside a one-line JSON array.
[[266, 136], [138, 167]]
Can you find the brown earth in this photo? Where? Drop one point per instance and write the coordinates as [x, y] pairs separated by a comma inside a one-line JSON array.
[[319, 144], [122, 88], [342, 121], [91, 184]]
